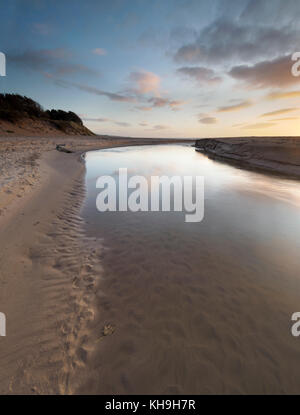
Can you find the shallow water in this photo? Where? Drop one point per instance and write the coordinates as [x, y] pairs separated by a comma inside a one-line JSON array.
[[198, 307]]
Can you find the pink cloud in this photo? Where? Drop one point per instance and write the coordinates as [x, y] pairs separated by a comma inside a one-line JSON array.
[[145, 82], [99, 51]]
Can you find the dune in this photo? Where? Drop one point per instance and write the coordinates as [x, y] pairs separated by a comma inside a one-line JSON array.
[[23, 116]]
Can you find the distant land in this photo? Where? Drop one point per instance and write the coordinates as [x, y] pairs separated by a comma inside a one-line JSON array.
[[22, 115]]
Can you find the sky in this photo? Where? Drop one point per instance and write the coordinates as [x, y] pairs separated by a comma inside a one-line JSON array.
[[159, 68]]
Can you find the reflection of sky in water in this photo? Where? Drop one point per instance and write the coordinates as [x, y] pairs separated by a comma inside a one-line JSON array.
[[183, 160], [252, 213]]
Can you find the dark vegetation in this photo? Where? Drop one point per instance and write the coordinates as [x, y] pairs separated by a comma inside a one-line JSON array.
[[14, 107]]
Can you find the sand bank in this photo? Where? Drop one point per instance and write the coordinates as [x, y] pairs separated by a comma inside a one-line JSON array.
[[279, 155]]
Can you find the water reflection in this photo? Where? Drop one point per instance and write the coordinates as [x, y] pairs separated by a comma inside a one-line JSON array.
[[200, 307]]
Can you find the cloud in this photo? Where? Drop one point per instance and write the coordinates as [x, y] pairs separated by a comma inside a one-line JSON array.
[[160, 127], [96, 119], [50, 61], [119, 123], [200, 74], [99, 51], [278, 112], [266, 74], [144, 82], [277, 13], [111, 95], [285, 119], [71, 68], [283, 95], [258, 126], [143, 124], [143, 108], [95, 91], [225, 40], [175, 104], [208, 120], [122, 124], [39, 59], [158, 102], [235, 107], [145, 86]]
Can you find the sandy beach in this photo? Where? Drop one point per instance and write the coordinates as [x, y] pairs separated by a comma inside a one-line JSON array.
[[53, 287], [47, 266]]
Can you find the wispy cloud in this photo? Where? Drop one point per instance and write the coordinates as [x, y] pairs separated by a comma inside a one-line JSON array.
[[258, 126], [72, 68], [51, 61], [143, 108], [122, 123], [285, 119], [278, 112], [208, 120], [235, 107], [96, 119], [283, 95], [95, 91], [160, 127], [119, 123], [199, 74], [164, 102], [158, 102]]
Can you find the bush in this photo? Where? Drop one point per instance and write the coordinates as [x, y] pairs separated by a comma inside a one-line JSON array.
[[14, 107], [16, 104], [60, 115]]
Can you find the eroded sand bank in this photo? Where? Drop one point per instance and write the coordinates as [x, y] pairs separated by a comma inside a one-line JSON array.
[[279, 155]]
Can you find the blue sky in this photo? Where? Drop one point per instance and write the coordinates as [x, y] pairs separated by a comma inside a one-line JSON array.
[[161, 68]]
